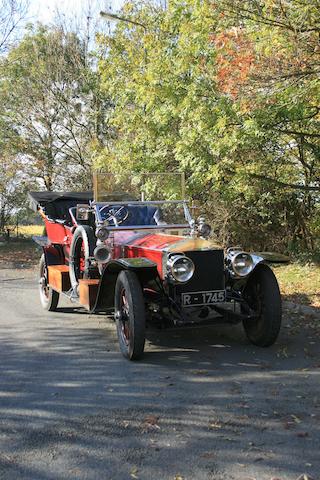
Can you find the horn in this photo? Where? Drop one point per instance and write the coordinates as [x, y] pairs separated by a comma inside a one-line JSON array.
[[101, 254]]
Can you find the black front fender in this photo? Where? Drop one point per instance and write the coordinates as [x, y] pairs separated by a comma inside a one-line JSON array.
[[240, 283], [145, 269]]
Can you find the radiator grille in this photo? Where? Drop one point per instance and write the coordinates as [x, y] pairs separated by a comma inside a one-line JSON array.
[[208, 274]]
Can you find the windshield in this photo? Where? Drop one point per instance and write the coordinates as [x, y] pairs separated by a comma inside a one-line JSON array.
[[140, 186], [143, 215]]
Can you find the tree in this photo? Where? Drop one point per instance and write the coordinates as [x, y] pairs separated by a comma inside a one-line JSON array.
[[268, 63], [227, 92], [12, 189], [53, 111], [12, 12]]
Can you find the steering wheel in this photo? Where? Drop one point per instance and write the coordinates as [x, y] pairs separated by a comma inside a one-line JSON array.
[[116, 215]]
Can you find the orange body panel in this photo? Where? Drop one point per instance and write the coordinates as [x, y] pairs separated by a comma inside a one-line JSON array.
[[88, 290], [59, 277]]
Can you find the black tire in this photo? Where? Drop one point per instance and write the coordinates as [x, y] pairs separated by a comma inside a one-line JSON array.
[[130, 315], [83, 235], [263, 295], [49, 298]]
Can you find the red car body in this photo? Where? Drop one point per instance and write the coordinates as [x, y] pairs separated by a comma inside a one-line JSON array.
[[124, 256]]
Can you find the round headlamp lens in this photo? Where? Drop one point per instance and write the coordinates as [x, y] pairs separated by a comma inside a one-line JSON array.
[[205, 230], [242, 264], [181, 268]]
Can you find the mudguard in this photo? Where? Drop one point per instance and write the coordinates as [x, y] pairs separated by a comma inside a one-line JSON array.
[[54, 254], [272, 257], [144, 268]]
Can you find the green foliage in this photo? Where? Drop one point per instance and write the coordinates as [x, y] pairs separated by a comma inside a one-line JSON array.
[[228, 93], [51, 107]]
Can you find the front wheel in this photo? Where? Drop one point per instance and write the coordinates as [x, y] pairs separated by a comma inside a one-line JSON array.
[[130, 315], [81, 249], [49, 298], [263, 296]]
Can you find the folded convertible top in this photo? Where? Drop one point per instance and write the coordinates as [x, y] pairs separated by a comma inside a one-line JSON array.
[[43, 198]]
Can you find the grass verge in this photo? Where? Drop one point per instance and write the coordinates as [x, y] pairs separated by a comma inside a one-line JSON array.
[[19, 254], [300, 283]]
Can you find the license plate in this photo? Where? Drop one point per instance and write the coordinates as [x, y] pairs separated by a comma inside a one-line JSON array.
[[193, 299]]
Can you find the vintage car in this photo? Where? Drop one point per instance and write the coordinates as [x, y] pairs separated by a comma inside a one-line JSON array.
[[146, 260]]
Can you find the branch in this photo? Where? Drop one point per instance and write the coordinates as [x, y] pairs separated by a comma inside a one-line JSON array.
[[257, 17], [300, 134], [305, 188]]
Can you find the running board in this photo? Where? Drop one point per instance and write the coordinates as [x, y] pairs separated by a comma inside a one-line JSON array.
[[88, 291], [59, 280]]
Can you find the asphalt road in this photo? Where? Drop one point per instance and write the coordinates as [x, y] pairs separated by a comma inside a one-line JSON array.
[[203, 404]]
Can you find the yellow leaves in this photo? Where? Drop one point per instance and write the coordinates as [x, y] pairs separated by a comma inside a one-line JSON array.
[[296, 419], [134, 472]]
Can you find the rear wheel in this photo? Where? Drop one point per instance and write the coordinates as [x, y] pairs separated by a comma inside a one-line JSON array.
[[263, 296], [49, 298], [130, 315]]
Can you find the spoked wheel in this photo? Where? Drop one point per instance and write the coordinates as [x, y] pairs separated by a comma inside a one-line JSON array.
[[49, 298], [130, 315], [263, 295], [82, 246]]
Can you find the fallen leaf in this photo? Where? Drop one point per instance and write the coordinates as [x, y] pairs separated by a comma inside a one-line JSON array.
[[244, 364], [283, 351], [218, 345], [178, 477], [296, 419], [208, 455], [151, 419], [134, 472], [214, 425]]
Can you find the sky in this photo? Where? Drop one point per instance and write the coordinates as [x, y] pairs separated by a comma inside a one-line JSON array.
[[45, 10]]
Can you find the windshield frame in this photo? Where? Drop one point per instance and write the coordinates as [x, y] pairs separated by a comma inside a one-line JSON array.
[[100, 221], [101, 178]]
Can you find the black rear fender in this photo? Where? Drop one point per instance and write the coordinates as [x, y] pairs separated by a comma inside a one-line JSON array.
[[53, 254]]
